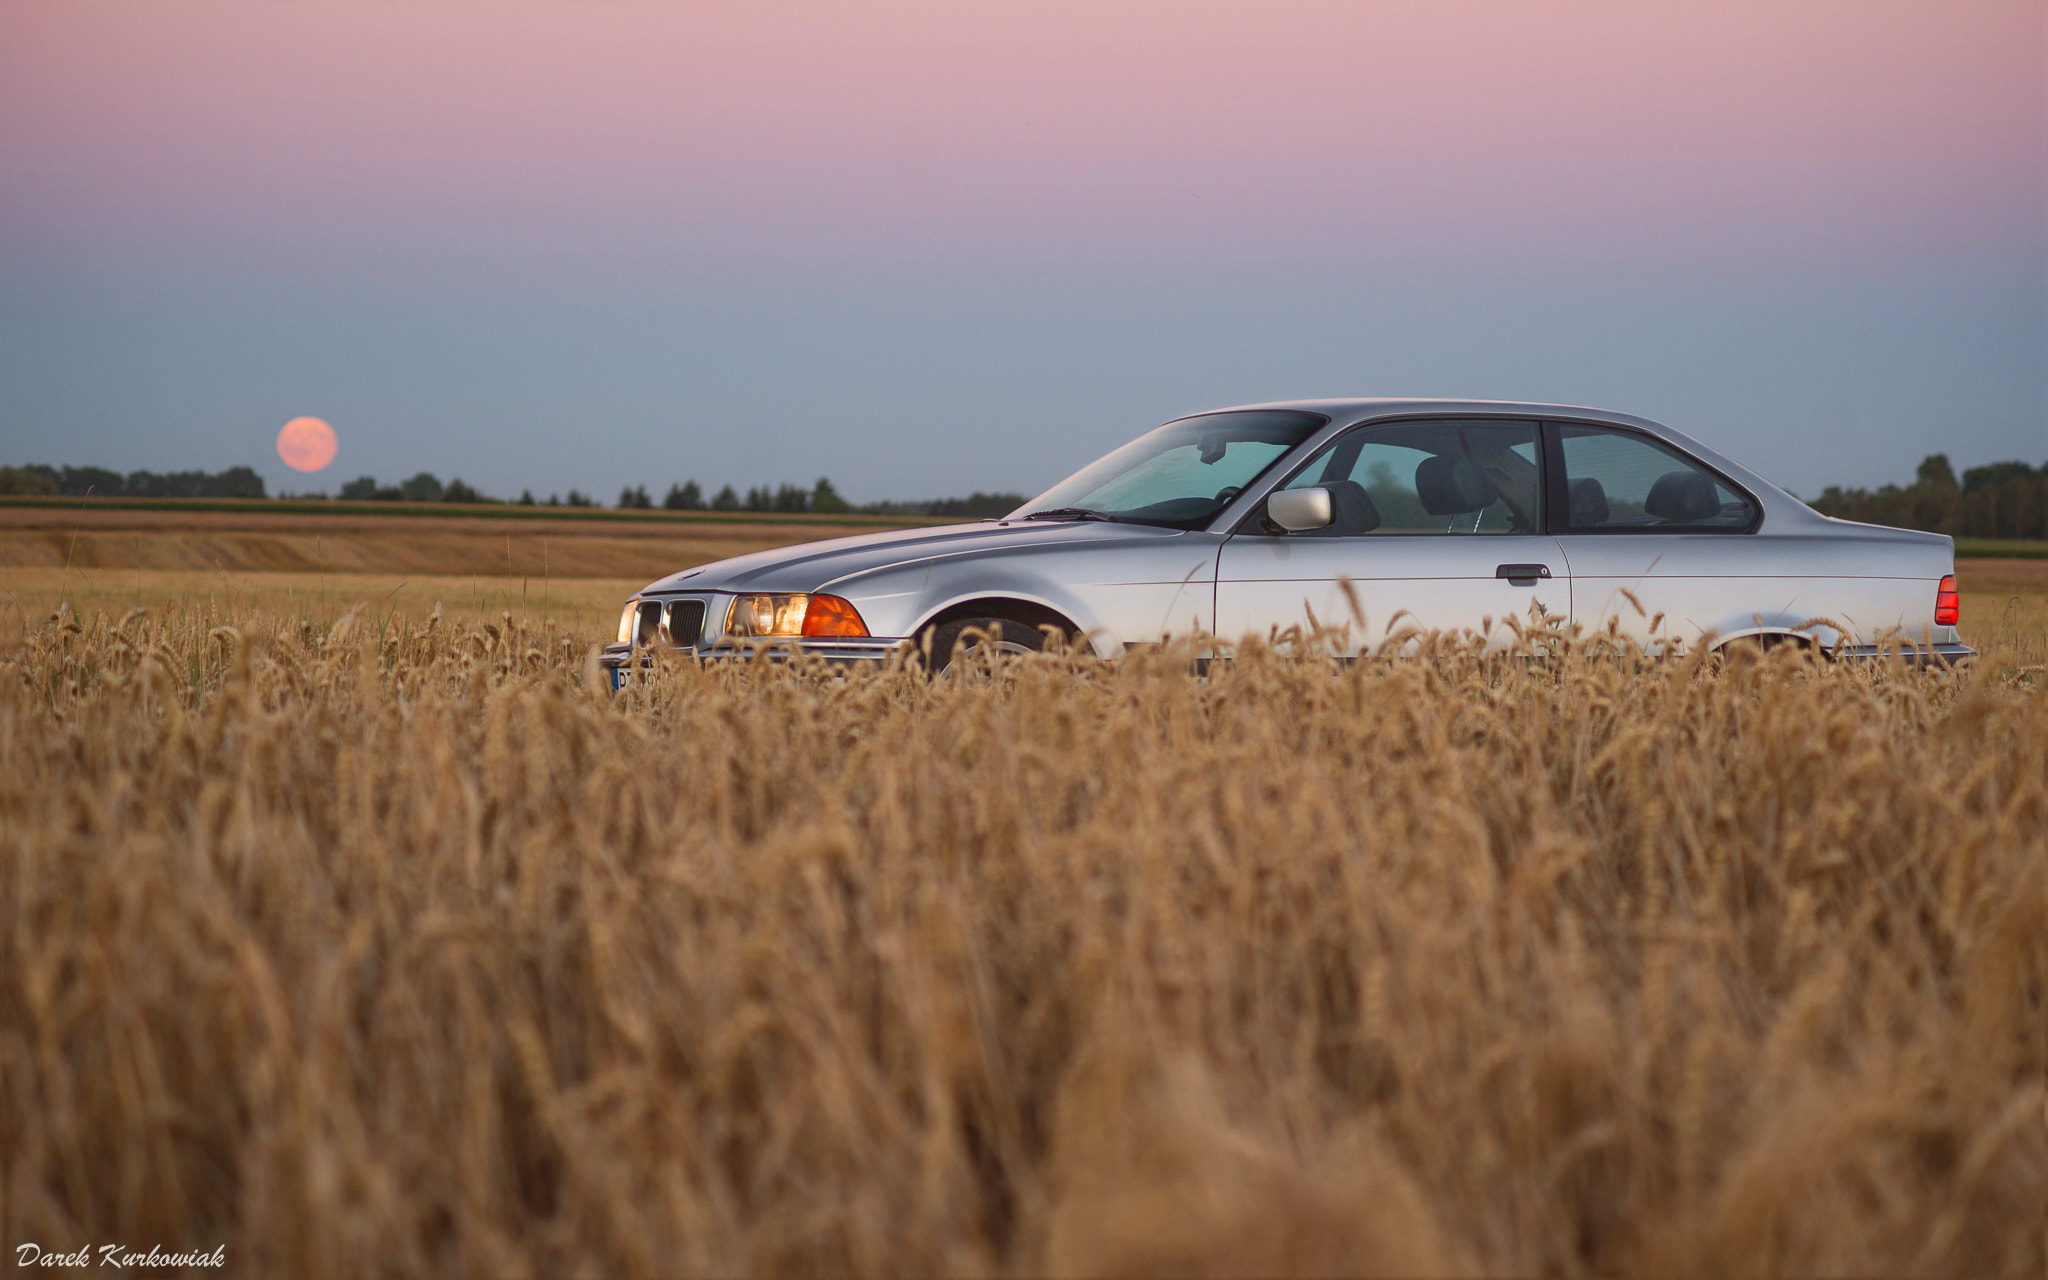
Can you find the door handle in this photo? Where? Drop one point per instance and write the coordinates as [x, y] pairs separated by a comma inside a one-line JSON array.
[[1522, 572]]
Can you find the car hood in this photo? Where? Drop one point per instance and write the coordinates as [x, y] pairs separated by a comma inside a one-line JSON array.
[[817, 566]]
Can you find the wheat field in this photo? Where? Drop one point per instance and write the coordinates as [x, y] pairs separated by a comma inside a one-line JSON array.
[[390, 946]]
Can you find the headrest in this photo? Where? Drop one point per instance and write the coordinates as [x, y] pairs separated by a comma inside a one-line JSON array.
[[1451, 486], [1682, 497], [1588, 503], [1351, 508]]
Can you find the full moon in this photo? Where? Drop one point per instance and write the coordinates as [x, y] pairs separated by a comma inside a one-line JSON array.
[[306, 444]]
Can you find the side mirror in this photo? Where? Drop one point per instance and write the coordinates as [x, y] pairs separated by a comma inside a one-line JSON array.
[[1300, 510]]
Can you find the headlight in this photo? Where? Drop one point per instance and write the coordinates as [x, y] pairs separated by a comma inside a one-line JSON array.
[[626, 621], [767, 616], [793, 615]]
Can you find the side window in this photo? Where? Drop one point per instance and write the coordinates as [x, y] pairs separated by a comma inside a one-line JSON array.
[[1441, 476], [1618, 481]]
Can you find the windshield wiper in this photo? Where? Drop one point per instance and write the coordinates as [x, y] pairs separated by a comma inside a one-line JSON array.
[[1069, 513]]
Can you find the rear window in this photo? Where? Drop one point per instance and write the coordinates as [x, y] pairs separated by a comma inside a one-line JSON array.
[[1622, 482]]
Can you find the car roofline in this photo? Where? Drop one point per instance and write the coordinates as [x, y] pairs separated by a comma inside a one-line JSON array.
[[1353, 410]]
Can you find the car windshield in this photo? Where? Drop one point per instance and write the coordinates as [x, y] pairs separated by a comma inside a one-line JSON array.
[[1179, 475]]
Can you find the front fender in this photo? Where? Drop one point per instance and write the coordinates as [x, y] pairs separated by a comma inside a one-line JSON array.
[[900, 603], [1127, 592]]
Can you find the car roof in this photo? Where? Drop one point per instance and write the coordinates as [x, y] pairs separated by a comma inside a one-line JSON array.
[[1358, 407]]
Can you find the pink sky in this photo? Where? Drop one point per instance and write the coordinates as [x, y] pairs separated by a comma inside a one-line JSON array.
[[930, 247], [424, 120]]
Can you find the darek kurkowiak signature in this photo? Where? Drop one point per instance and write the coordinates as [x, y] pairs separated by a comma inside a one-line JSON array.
[[117, 1255]]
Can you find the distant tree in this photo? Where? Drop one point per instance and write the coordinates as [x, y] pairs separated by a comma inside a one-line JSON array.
[[684, 497], [235, 482], [1997, 500], [554, 499], [360, 489], [526, 497], [825, 500], [976, 506], [2004, 500], [460, 492], [577, 499], [789, 497], [1935, 472], [1995, 473], [760, 499], [726, 500], [26, 481], [421, 488], [97, 482], [635, 499]]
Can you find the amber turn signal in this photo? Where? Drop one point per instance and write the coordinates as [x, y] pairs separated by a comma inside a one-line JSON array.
[[831, 616], [1948, 605]]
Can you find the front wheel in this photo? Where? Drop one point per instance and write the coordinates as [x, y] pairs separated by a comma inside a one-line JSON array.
[[954, 640]]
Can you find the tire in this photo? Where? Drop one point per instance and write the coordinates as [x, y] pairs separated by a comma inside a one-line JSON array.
[[1768, 642], [952, 641]]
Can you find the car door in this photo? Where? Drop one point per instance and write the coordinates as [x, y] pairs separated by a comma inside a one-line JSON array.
[[1436, 526], [1660, 545]]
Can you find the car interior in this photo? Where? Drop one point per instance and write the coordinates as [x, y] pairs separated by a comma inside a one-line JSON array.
[[1682, 497], [1452, 486], [1587, 503], [1464, 469]]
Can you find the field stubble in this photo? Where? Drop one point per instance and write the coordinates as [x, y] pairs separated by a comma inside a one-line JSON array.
[[393, 947], [115, 541]]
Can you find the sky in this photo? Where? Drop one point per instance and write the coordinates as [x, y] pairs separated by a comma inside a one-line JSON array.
[[929, 248]]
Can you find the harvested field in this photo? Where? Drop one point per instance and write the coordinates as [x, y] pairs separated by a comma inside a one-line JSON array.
[[588, 608], [2027, 579], [87, 536], [390, 947]]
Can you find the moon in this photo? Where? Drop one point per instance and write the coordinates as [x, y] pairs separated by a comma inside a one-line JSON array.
[[306, 444]]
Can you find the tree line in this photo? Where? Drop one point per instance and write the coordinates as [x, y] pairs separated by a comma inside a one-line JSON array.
[[1997, 500], [99, 482], [424, 487], [822, 498]]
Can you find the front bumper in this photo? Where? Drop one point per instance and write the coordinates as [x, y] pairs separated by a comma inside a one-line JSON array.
[[619, 661]]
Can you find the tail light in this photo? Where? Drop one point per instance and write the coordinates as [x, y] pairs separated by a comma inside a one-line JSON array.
[[1948, 605], [831, 616]]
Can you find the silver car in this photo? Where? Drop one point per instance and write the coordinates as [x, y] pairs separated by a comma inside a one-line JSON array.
[[1382, 517]]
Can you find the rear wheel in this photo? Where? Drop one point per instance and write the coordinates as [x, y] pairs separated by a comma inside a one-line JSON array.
[[1762, 646], [953, 641]]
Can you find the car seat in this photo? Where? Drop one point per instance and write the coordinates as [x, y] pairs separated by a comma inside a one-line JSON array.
[[1450, 486], [1351, 508], [1588, 503], [1682, 497]]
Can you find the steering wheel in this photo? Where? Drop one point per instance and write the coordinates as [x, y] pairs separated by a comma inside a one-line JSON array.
[[1227, 492]]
